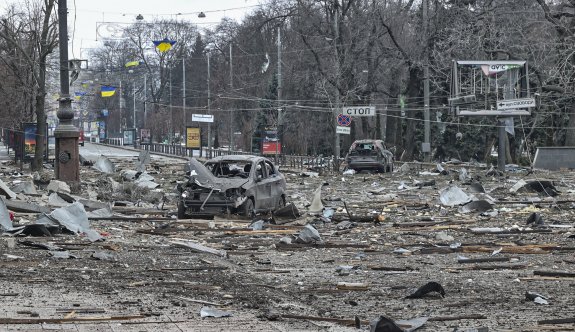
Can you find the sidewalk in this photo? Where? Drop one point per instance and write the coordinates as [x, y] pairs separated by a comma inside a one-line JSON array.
[[4, 152]]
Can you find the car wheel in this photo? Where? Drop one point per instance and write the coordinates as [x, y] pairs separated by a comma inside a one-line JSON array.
[[181, 210], [247, 209]]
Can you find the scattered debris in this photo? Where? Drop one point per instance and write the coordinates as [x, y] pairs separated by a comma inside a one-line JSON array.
[[535, 297], [452, 196], [104, 165], [199, 248], [5, 191], [476, 206], [104, 256], [61, 254], [430, 287], [308, 235], [536, 219], [25, 187], [289, 211], [476, 187], [74, 218], [58, 187], [316, 204], [213, 312], [144, 159], [384, 324]]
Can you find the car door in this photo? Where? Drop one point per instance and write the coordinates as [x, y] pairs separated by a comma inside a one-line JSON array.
[[263, 187], [276, 182]]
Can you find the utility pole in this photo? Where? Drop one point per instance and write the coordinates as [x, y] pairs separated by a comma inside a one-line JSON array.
[[231, 112], [426, 148], [145, 98], [134, 109], [171, 131], [209, 112], [121, 113], [337, 106], [184, 93], [67, 165], [279, 134]]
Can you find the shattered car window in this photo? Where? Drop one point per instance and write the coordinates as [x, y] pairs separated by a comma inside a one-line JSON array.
[[230, 169], [364, 149]]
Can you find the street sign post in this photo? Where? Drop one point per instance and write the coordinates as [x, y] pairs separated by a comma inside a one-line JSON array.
[[343, 130], [358, 110], [509, 104], [202, 117]]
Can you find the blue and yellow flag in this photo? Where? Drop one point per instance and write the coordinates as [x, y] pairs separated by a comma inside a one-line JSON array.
[[108, 91], [79, 94], [132, 64], [164, 45]]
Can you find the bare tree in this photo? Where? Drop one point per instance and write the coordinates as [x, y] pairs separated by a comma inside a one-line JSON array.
[[31, 30]]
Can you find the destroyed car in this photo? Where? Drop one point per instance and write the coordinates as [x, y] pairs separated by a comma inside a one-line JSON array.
[[369, 154], [243, 184]]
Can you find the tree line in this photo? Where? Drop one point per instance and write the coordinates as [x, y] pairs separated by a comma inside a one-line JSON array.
[[331, 53]]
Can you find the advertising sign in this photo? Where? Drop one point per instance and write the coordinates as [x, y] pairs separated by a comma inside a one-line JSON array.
[[193, 138], [29, 140], [145, 136], [271, 148], [102, 129], [129, 135]]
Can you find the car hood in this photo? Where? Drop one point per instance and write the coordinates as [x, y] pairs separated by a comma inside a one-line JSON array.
[[203, 177]]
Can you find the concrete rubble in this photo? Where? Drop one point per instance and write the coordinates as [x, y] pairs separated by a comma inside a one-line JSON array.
[[448, 247]]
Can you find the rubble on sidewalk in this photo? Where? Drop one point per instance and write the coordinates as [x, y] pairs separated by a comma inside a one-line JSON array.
[[449, 247]]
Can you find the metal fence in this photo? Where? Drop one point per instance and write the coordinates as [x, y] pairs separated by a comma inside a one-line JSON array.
[[286, 161]]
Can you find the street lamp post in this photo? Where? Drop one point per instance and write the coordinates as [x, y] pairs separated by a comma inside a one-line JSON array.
[[209, 112], [67, 165]]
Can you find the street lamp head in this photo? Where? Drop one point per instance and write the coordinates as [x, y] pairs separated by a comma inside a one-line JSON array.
[[201, 15]]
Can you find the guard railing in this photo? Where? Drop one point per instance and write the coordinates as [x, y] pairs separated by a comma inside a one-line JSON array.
[[286, 161]]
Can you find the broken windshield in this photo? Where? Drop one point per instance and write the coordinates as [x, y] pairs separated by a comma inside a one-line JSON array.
[[230, 169]]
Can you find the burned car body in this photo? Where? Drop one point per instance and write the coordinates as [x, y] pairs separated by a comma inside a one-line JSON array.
[[369, 154], [242, 184]]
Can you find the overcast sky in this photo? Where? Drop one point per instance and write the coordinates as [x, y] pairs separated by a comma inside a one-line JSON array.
[[87, 16]]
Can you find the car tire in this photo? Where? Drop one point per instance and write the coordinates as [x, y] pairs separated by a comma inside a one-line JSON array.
[[247, 209], [181, 210]]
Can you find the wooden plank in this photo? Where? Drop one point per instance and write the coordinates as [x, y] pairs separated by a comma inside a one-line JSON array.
[[483, 260], [198, 247], [557, 321], [559, 274], [66, 320]]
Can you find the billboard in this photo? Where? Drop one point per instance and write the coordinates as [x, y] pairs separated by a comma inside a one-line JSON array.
[[271, 148], [29, 141], [492, 88], [193, 138], [129, 136], [145, 136]]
